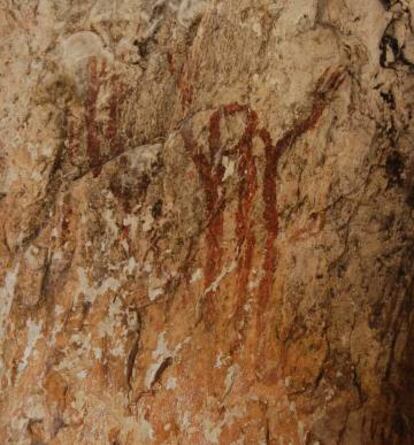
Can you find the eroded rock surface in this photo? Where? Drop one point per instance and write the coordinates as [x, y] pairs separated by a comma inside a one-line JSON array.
[[206, 222]]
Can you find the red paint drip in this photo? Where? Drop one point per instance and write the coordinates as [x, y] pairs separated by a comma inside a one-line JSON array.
[[96, 130], [113, 133], [325, 86], [215, 207], [247, 174], [67, 213], [73, 136], [270, 216], [112, 127], [211, 176], [211, 172], [94, 137], [92, 140]]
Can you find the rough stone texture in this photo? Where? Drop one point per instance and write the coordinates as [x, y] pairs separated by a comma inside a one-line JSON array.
[[206, 215]]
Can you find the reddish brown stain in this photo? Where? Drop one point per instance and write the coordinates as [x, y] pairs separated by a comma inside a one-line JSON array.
[[67, 213], [211, 173], [211, 176], [93, 146], [184, 83], [112, 126], [182, 74], [186, 93], [171, 63], [73, 138], [326, 85], [247, 188], [113, 132], [101, 132], [270, 214]]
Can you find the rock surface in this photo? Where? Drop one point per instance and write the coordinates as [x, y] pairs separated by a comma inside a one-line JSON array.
[[206, 222]]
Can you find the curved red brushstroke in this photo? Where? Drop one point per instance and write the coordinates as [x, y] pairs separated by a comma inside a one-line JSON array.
[[93, 149], [326, 85], [211, 173], [247, 174]]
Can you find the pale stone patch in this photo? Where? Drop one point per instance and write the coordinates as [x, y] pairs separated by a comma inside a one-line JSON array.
[[110, 219], [142, 158], [148, 222], [154, 293], [230, 377], [59, 310], [90, 292], [118, 351], [248, 306], [255, 281], [196, 276], [32, 257], [160, 353], [131, 265], [229, 167], [34, 407], [190, 10], [150, 374], [145, 429], [156, 286], [147, 267], [257, 28], [301, 431], [171, 383], [33, 334], [6, 296], [239, 441], [185, 420], [76, 52], [98, 353], [82, 374], [109, 325], [125, 245], [80, 400], [212, 431], [216, 283], [132, 222], [219, 362], [57, 256]]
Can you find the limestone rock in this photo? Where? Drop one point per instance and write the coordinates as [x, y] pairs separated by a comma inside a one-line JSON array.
[[206, 222]]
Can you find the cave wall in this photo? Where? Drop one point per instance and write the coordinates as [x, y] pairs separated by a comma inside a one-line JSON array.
[[206, 222]]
